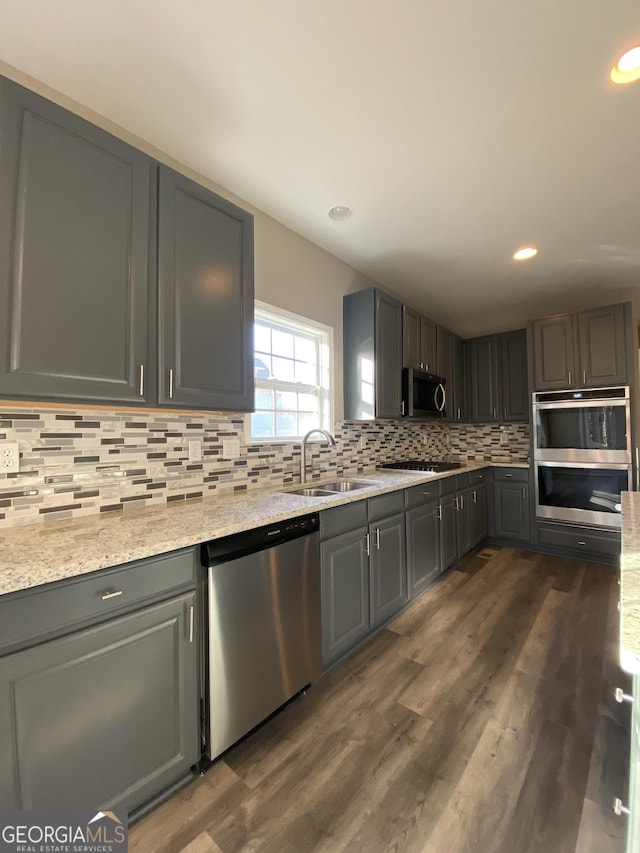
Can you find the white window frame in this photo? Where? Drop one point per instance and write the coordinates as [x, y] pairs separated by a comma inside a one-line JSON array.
[[296, 322]]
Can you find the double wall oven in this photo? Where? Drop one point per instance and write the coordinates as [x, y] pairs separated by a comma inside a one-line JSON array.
[[582, 454]]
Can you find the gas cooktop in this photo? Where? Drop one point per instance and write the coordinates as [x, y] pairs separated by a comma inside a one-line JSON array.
[[421, 465]]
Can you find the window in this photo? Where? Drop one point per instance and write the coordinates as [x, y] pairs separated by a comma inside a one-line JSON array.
[[292, 364]]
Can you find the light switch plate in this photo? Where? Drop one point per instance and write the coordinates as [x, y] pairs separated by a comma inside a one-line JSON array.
[[9, 457], [230, 448]]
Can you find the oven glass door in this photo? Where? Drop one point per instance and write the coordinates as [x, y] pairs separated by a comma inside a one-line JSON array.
[[582, 494], [579, 432]]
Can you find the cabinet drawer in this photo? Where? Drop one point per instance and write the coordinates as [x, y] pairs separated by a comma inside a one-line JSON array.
[[27, 617], [447, 486], [341, 519], [579, 539], [510, 475], [462, 481], [417, 495], [384, 505], [477, 477]]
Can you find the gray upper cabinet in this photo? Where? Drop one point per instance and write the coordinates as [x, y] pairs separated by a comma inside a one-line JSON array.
[[602, 346], [459, 392], [584, 350], [372, 355], [497, 367], [205, 271], [445, 368], [419, 341], [74, 244]]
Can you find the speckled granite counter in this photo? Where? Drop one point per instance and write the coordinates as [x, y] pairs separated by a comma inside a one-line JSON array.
[[38, 554], [630, 584]]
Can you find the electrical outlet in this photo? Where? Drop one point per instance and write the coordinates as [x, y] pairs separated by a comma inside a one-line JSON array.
[[195, 450], [9, 457], [504, 438], [230, 448], [362, 443]]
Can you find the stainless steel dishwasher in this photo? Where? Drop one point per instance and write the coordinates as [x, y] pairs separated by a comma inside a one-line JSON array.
[[263, 639]]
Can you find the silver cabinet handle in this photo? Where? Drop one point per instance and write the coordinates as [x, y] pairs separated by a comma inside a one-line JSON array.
[[494, 415], [580, 542], [505, 413], [439, 515], [524, 495], [459, 414], [584, 377], [402, 408], [620, 696], [426, 367], [191, 614], [113, 594], [637, 469], [618, 808], [367, 545], [457, 503], [141, 385], [475, 496], [378, 538], [569, 377], [508, 475], [171, 383], [461, 501]]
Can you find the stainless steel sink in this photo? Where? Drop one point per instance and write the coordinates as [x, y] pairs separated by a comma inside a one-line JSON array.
[[311, 492], [346, 485]]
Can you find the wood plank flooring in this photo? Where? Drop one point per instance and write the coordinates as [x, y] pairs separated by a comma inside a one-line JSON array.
[[480, 720]]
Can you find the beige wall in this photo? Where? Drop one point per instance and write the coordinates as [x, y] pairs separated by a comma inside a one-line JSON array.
[[290, 271]]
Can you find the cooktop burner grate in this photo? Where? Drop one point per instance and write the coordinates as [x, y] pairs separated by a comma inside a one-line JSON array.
[[421, 465]]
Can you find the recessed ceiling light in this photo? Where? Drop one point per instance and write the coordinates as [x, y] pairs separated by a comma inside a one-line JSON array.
[[525, 253], [627, 68], [340, 212]]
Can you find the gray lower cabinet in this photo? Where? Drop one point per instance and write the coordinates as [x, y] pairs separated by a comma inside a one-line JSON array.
[[388, 575], [345, 592], [633, 803], [511, 505], [205, 275], [478, 514], [74, 241], [448, 531], [423, 546], [463, 522], [101, 715]]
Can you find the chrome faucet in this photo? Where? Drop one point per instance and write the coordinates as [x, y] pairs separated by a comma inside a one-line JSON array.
[[303, 450]]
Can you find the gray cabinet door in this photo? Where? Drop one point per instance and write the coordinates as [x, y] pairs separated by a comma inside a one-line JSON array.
[[514, 405], [411, 338], [463, 522], [345, 593], [478, 520], [483, 375], [103, 718], [205, 272], [602, 345], [388, 356], [428, 345], [459, 390], [511, 510], [423, 547], [387, 567], [448, 531], [74, 243], [554, 360]]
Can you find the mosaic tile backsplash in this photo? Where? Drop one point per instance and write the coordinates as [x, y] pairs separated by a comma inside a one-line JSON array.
[[75, 463]]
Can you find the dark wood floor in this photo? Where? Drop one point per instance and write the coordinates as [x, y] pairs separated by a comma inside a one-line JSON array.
[[479, 720]]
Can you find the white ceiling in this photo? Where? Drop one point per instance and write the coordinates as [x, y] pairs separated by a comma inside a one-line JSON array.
[[456, 130]]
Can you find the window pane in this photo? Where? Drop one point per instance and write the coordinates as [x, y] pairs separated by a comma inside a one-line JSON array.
[[262, 338], [307, 422], [264, 399], [262, 425], [262, 366], [283, 369], [308, 402], [285, 424], [306, 350], [306, 373], [282, 344], [287, 400]]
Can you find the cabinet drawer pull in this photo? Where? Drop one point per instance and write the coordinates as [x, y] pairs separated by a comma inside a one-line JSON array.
[[569, 377], [508, 475], [620, 696], [171, 383], [439, 515], [618, 808], [141, 386], [378, 538], [191, 616], [459, 414], [475, 496], [461, 501], [367, 545], [584, 377], [581, 542], [457, 503], [113, 594], [426, 367]]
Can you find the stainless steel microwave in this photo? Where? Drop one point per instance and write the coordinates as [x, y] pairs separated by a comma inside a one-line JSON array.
[[423, 394]]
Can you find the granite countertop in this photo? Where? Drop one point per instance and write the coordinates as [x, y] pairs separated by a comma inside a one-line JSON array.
[[630, 584], [38, 554]]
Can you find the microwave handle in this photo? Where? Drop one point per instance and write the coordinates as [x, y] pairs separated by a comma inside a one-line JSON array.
[[444, 397]]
